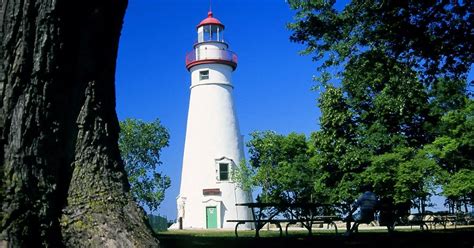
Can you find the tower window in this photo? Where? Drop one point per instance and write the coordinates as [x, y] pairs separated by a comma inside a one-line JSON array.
[[223, 171], [203, 75]]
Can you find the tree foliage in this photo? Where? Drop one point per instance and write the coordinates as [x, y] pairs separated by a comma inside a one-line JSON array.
[[453, 150], [395, 114], [336, 156], [279, 166], [243, 176], [158, 223], [395, 74], [140, 144], [389, 104], [433, 37], [403, 175]]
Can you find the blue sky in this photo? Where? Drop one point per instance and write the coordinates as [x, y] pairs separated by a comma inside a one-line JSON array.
[[272, 82]]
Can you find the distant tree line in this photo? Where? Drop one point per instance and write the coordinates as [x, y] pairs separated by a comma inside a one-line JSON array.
[[158, 223], [396, 108]]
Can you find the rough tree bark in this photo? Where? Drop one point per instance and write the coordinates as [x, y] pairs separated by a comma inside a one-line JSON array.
[[62, 179]]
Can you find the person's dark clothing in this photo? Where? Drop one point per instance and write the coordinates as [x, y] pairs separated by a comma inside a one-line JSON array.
[[367, 203]]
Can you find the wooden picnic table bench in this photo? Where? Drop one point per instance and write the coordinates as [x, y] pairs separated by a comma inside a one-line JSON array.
[[427, 220], [260, 219], [258, 225], [330, 220], [459, 218]]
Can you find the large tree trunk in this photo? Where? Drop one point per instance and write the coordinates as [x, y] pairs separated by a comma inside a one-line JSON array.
[[62, 179]]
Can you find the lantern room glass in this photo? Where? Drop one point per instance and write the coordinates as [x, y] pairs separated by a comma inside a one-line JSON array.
[[211, 33]]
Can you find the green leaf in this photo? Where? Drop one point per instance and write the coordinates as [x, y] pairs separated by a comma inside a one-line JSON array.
[[140, 145]]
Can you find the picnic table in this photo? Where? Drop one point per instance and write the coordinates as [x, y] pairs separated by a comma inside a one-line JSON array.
[[272, 213], [431, 220], [428, 221]]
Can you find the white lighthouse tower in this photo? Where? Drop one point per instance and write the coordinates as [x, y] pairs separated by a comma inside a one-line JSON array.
[[213, 146]]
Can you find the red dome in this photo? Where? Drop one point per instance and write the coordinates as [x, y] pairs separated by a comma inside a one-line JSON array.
[[210, 20]]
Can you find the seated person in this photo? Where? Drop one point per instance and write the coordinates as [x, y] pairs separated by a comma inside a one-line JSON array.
[[367, 203]]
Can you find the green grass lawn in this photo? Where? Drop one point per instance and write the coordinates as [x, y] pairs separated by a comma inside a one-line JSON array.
[[242, 233], [451, 238]]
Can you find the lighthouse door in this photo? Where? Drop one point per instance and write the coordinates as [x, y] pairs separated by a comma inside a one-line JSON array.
[[211, 217]]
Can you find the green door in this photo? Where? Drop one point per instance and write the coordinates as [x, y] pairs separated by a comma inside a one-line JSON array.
[[211, 217]]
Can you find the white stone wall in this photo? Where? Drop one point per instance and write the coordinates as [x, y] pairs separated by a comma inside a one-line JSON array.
[[212, 133]]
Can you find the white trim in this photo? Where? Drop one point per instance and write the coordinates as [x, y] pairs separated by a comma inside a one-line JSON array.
[[230, 163], [199, 84], [203, 73], [211, 201]]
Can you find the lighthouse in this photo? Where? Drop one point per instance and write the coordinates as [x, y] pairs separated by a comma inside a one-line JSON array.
[[213, 146]]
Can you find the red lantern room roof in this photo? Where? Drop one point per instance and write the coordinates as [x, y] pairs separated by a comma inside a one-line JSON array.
[[210, 20]]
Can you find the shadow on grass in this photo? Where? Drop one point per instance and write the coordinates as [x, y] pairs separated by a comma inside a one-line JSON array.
[[463, 238]]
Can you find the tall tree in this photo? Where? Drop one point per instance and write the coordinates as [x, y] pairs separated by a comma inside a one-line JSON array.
[[337, 156], [453, 150], [398, 73], [392, 114], [63, 182], [140, 144]]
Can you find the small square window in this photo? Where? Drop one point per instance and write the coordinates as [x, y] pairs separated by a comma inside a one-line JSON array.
[[223, 172], [204, 75]]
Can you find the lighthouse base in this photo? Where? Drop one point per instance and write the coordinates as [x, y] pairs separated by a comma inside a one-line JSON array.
[[212, 211]]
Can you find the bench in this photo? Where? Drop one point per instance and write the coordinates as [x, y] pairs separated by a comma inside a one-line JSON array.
[[260, 223], [460, 218], [330, 220], [425, 221]]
